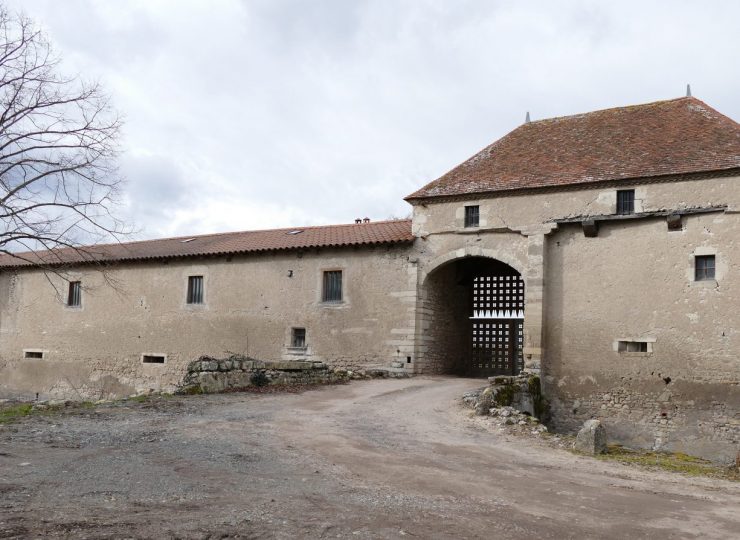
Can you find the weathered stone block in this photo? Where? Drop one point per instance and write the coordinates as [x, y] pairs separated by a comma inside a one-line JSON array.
[[591, 439]]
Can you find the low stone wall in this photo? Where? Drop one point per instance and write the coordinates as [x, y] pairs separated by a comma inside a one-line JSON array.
[[211, 375]]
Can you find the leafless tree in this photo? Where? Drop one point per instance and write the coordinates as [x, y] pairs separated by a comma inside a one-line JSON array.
[[58, 147]]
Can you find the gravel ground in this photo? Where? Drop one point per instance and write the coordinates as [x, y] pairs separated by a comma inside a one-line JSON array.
[[372, 459]]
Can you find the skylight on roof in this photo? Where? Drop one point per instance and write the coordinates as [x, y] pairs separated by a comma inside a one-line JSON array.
[[297, 231], [187, 240]]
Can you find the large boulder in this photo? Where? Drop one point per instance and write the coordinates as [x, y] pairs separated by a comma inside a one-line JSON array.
[[591, 439]]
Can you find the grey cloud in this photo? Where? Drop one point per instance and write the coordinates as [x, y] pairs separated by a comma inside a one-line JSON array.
[[266, 113]]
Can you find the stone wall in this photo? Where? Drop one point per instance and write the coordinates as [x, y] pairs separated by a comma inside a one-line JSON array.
[[211, 375], [635, 281], [251, 304], [445, 332]]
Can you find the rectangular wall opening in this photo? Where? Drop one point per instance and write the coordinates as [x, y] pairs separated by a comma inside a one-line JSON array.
[[152, 358], [33, 354], [626, 346]]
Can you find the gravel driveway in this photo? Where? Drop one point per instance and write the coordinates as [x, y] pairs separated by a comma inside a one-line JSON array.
[[373, 459]]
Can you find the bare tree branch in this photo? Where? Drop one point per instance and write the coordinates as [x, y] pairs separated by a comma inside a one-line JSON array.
[[59, 182]]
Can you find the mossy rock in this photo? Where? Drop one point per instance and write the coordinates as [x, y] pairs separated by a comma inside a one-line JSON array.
[[505, 395]]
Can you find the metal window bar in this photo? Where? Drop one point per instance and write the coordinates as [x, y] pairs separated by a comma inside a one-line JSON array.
[[299, 338], [626, 201], [704, 266], [195, 290], [332, 286], [74, 297], [472, 216]]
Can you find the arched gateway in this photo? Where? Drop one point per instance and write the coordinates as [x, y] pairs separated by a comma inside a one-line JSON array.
[[472, 320]]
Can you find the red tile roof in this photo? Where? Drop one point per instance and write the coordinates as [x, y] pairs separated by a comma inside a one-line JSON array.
[[364, 234], [674, 137]]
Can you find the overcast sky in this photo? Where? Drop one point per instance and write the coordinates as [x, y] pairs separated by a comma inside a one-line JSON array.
[[257, 114]]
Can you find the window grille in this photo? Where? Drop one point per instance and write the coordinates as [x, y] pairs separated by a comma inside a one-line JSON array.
[[74, 296], [298, 338], [626, 201], [195, 290], [332, 291], [704, 267], [472, 216]]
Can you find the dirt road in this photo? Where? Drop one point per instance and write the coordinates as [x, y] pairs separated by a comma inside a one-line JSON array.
[[375, 459]]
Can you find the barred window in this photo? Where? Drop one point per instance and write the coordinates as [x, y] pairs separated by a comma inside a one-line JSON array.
[[332, 288], [472, 216], [298, 338], [195, 290], [74, 296], [625, 201], [704, 267]]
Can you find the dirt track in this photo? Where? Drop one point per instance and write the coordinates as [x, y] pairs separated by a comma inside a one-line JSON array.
[[376, 459]]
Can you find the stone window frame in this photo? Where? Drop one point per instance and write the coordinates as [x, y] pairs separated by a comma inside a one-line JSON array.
[[186, 273], [74, 292], [649, 341], [460, 212], [43, 353], [292, 346], [344, 302], [70, 278], [702, 251], [468, 221], [153, 354]]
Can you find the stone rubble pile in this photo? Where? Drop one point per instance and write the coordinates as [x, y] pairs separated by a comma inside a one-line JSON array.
[[506, 402]]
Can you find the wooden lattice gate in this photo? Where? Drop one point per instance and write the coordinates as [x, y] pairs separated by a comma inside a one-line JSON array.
[[497, 325]]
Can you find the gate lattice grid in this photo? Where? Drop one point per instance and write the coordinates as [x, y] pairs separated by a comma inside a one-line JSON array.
[[497, 325]]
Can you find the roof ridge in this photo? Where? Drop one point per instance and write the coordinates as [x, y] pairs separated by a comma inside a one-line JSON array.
[[611, 109]]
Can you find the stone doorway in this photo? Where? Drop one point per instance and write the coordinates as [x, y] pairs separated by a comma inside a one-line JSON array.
[[472, 319]]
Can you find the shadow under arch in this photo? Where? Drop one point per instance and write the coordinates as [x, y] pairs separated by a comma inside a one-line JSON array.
[[471, 318]]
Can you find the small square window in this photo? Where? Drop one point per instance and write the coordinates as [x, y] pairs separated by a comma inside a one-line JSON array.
[[332, 287], [625, 201], [472, 216], [298, 338], [704, 267], [195, 290], [74, 295]]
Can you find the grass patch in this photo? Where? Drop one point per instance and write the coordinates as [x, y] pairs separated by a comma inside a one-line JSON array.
[[14, 413], [669, 461]]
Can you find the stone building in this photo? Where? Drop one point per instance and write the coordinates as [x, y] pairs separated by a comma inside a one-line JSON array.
[[599, 251]]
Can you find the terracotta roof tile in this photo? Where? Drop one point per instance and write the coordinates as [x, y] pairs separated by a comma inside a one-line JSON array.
[[373, 233], [678, 136]]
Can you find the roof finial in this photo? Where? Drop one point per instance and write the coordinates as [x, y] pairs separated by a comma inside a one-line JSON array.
[[688, 90], [527, 120]]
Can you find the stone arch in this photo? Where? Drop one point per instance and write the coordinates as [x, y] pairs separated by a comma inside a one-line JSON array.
[[469, 251], [470, 314]]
